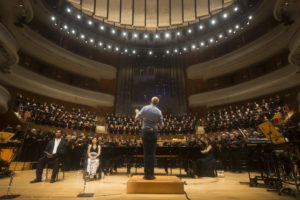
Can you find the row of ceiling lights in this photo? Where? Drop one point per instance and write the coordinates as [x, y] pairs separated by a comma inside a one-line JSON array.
[[130, 51], [157, 35]]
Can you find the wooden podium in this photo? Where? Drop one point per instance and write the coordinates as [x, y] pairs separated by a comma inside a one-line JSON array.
[[160, 185]]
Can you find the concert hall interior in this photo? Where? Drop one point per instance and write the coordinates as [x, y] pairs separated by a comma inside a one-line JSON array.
[[152, 99]]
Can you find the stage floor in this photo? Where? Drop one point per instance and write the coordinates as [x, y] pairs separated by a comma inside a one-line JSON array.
[[114, 187]]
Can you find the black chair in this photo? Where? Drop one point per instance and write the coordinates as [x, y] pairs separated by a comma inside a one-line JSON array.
[[61, 167]]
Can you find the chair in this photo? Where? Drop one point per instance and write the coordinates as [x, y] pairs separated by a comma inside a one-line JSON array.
[[61, 167]]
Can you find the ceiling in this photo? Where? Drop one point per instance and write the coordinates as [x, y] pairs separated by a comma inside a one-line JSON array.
[[150, 14]]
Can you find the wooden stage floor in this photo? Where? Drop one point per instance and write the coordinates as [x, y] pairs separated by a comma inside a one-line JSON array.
[[113, 187]]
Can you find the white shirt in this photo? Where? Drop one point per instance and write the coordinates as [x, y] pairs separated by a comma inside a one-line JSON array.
[[56, 143]]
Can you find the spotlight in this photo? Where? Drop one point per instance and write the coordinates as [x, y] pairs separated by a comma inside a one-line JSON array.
[[113, 31], [167, 35], [91, 40], [124, 33], [109, 46], [213, 22], [100, 44], [189, 30], [220, 36], [237, 26], [211, 40], [150, 52], [236, 9], [68, 10], [178, 33], [73, 31], [250, 17], [82, 36], [201, 27], [167, 51], [53, 18], [225, 15], [78, 16], [145, 36], [65, 27], [156, 36], [90, 22], [102, 27], [135, 35]]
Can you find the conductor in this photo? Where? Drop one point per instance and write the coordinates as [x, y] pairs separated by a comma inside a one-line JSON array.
[[152, 117]]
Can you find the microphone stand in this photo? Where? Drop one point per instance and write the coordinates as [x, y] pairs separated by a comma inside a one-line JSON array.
[[84, 184], [13, 196]]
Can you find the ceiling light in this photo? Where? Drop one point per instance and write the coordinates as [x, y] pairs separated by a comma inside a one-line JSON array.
[[145, 36], [135, 35], [211, 40], [156, 35], [82, 36], [220, 36], [178, 33], [202, 43], [100, 44], [225, 15], [150, 52], [90, 22], [250, 17], [230, 31], [133, 51], [184, 49], [117, 48], [167, 51], [102, 27], [91, 40], [193, 46], [65, 27], [113, 31], [189, 30], [73, 31], [201, 27], [167, 35], [237, 26], [125, 50], [109, 46], [213, 22], [175, 50], [236, 8], [68, 10], [78, 16], [124, 33], [53, 18]]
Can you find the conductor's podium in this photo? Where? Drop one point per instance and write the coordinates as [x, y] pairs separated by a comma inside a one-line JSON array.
[[160, 185]]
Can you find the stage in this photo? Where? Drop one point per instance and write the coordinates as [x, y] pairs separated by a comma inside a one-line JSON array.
[[114, 187]]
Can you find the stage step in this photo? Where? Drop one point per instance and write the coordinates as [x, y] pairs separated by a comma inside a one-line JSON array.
[[160, 185], [19, 166]]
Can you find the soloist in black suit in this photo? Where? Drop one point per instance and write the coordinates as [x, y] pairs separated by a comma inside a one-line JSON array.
[[55, 161]]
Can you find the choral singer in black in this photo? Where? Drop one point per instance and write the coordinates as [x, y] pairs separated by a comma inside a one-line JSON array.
[[52, 154]]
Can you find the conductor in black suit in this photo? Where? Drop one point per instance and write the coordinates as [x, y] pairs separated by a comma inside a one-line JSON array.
[[53, 154]]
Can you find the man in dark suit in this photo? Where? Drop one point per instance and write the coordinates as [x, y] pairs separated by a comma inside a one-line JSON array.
[[53, 154]]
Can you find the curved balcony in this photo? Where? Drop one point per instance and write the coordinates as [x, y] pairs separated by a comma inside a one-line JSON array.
[[33, 82], [283, 78]]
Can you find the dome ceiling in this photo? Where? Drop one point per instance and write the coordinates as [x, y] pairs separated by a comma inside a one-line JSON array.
[[150, 14]]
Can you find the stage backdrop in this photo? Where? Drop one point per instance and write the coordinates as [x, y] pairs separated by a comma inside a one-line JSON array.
[[139, 79]]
